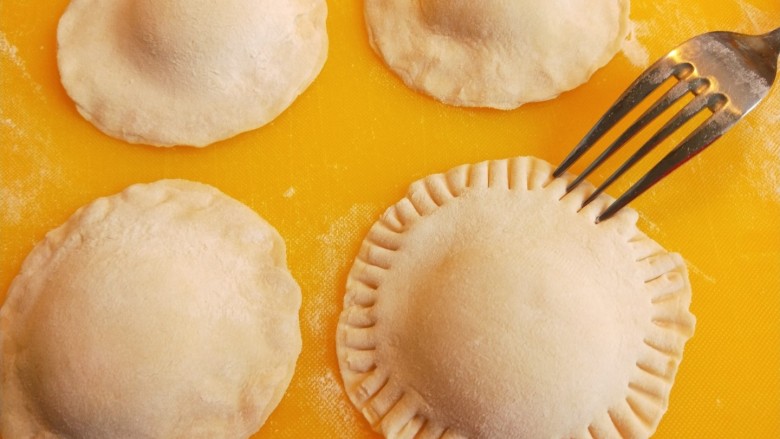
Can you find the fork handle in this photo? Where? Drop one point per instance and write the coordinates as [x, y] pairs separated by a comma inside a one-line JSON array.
[[773, 39]]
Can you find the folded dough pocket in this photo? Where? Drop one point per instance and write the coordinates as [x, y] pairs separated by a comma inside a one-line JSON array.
[[188, 72], [496, 53], [166, 311], [484, 305]]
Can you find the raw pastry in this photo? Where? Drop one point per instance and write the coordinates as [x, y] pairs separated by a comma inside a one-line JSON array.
[[165, 311], [188, 72], [496, 53], [483, 305]]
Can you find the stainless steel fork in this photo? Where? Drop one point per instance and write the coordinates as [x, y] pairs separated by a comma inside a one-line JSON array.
[[727, 73]]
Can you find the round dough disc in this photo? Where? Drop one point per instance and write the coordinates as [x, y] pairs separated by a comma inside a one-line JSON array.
[[182, 72], [496, 53], [164, 311], [484, 305]]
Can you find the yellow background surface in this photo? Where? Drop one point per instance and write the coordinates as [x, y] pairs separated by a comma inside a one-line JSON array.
[[324, 170]]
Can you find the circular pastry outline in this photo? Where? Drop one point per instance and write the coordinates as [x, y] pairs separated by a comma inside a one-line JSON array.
[[467, 68], [139, 79], [397, 411], [188, 204]]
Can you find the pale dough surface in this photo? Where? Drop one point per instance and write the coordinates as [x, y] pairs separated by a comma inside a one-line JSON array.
[[496, 53], [188, 72], [164, 311], [483, 305]]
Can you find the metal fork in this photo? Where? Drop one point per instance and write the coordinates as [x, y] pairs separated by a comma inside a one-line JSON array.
[[727, 73]]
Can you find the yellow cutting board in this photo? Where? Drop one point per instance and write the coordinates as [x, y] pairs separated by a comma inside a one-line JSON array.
[[349, 146]]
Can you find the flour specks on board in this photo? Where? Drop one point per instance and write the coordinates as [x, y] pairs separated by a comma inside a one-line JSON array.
[[760, 20], [21, 189], [336, 249], [762, 149], [633, 49], [11, 53], [19, 192], [762, 154], [699, 272], [24, 144], [328, 388]]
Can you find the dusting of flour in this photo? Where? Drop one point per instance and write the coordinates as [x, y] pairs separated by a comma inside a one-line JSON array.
[[760, 20], [23, 142], [762, 149], [636, 53], [11, 53], [328, 387], [336, 250]]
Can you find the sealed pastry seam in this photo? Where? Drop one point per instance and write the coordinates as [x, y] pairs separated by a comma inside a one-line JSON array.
[[188, 73], [170, 294], [397, 409], [495, 54]]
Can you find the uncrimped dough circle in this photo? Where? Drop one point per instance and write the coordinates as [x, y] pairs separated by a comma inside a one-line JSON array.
[[496, 53], [484, 305], [164, 311], [182, 72]]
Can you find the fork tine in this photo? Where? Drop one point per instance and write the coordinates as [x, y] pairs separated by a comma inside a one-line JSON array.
[[663, 103], [702, 137], [654, 76], [679, 119]]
